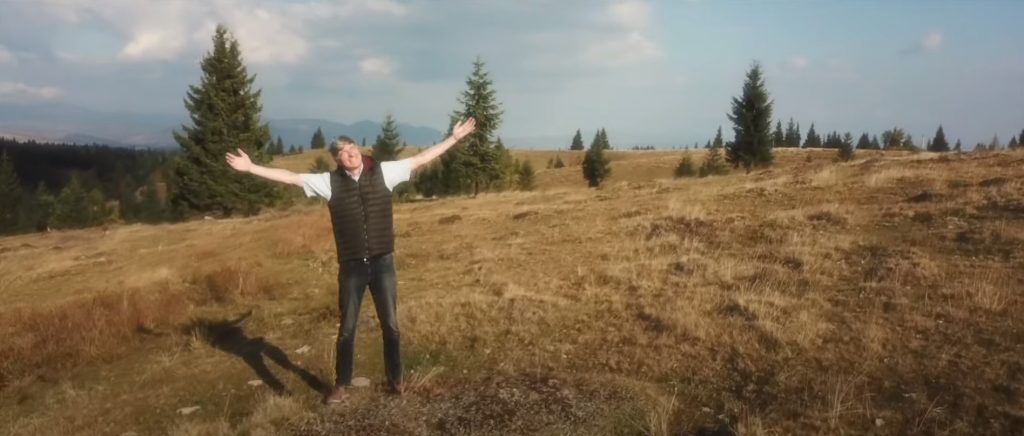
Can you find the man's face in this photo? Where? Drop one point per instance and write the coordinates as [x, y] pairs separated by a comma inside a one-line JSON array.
[[348, 157]]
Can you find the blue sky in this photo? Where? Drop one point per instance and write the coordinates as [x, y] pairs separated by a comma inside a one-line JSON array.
[[648, 71]]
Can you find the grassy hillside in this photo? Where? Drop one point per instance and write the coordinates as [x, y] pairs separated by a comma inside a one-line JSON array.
[[880, 296]]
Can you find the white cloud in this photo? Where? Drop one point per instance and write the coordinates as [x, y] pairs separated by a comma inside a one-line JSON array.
[[797, 62], [270, 32], [627, 42], [932, 41], [630, 14], [153, 45], [622, 50], [6, 56], [18, 89], [377, 66]]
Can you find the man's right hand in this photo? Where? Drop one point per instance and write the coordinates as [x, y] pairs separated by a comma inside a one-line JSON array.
[[241, 162]]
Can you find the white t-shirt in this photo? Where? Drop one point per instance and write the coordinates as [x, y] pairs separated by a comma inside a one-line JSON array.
[[319, 184]]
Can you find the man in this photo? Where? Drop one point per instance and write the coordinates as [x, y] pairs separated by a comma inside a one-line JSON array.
[[358, 196]]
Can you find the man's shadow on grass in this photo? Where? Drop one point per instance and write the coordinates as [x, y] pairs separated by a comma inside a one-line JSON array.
[[228, 336]]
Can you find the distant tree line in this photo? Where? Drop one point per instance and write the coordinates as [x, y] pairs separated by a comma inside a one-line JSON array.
[[58, 186]]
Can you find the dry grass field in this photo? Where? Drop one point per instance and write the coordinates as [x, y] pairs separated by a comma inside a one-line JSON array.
[[879, 296]]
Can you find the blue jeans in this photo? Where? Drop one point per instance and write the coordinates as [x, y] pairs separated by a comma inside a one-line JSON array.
[[354, 276]]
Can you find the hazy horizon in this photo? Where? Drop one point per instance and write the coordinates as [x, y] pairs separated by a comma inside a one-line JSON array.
[[650, 72]]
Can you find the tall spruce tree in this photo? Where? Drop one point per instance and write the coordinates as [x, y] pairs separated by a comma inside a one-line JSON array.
[[318, 142], [751, 117], [596, 167], [11, 195], [279, 146], [939, 143], [471, 165], [225, 114], [388, 144], [577, 141]]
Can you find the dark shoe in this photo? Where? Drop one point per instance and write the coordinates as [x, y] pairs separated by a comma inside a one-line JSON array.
[[336, 396], [396, 388]]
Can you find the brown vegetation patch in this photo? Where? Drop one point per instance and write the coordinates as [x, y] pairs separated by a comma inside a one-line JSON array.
[[993, 182], [450, 219], [682, 227], [889, 265], [827, 217], [924, 197], [233, 283], [46, 341], [524, 215]]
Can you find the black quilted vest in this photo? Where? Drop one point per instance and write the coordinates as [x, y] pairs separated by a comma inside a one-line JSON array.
[[361, 213]]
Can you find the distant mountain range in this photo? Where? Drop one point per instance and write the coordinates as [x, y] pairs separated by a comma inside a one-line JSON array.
[[66, 123]]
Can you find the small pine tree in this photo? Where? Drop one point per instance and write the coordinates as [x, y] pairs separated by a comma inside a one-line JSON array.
[[893, 139], [714, 164], [388, 146], [718, 141], [10, 195], [279, 146], [958, 147], [908, 143], [864, 143], [150, 209], [778, 138], [320, 165], [994, 144], [1012, 145], [792, 134], [299, 150], [685, 167], [506, 166], [525, 180], [291, 149], [558, 162], [37, 211], [875, 144], [596, 167], [813, 139], [72, 207], [605, 145], [845, 146], [938, 143], [577, 141], [318, 141]]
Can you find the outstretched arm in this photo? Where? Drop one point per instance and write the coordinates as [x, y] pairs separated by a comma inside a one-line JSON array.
[[460, 130], [241, 162]]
